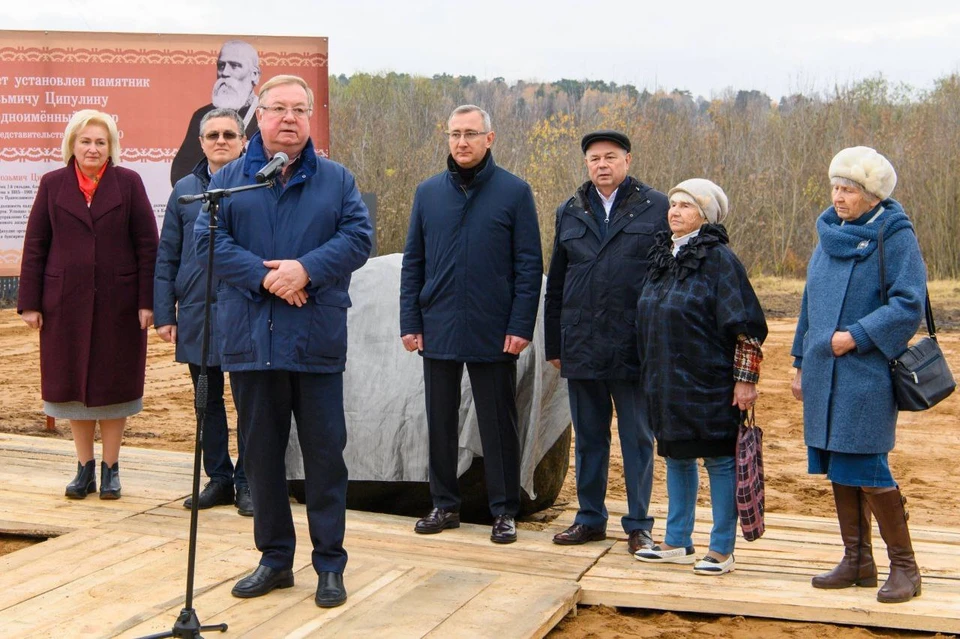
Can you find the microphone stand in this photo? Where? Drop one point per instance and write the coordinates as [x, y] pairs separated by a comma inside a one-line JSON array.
[[187, 624]]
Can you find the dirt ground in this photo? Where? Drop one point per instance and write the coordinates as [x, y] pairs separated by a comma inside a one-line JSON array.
[[924, 461]]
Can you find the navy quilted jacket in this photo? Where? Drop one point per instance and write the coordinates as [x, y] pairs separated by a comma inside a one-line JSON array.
[[472, 265]]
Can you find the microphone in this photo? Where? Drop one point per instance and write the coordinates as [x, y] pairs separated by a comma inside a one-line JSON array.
[[273, 167]]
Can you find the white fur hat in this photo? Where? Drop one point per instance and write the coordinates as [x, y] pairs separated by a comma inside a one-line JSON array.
[[867, 168], [708, 196]]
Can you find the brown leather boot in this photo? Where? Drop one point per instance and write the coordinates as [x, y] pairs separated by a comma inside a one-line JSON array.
[[857, 567], [903, 584]]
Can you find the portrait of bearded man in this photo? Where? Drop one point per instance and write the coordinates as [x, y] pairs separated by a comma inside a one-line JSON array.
[[238, 73]]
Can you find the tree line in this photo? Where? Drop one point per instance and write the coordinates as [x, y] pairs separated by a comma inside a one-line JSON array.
[[771, 157]]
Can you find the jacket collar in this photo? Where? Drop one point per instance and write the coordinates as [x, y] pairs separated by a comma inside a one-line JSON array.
[[256, 158], [691, 255], [202, 172], [489, 168], [629, 192], [106, 198]]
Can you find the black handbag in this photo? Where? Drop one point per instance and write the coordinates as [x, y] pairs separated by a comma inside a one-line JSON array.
[[921, 377]]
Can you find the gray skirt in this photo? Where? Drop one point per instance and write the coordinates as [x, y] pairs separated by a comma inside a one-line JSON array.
[[80, 411]]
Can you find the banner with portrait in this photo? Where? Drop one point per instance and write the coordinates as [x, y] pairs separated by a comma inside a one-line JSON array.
[[157, 87]]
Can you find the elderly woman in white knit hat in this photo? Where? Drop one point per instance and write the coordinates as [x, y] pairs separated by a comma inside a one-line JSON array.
[[700, 354], [845, 338]]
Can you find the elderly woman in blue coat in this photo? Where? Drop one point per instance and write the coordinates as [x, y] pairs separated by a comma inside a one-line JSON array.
[[700, 351], [845, 338]]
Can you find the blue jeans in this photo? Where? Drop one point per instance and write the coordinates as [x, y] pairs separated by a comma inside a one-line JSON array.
[[683, 480]]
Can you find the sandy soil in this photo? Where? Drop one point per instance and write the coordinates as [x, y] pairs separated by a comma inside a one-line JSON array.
[[924, 462]]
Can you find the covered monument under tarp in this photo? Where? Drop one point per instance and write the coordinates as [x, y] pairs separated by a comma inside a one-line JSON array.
[[387, 449]]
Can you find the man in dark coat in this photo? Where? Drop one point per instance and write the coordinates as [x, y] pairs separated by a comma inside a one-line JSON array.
[[179, 293], [284, 255], [238, 71], [469, 292], [603, 235]]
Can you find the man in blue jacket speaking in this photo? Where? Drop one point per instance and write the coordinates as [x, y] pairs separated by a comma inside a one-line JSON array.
[[284, 256], [179, 292], [469, 294], [603, 235]]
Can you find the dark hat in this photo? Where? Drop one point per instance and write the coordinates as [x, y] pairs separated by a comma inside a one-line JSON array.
[[606, 134]]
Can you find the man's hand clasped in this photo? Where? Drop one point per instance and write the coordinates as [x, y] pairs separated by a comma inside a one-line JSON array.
[[287, 279]]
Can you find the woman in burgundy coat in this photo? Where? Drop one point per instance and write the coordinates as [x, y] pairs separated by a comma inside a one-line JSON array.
[[86, 282]]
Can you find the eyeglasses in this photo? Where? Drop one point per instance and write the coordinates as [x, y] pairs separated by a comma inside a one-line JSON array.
[[213, 136], [469, 136], [278, 111]]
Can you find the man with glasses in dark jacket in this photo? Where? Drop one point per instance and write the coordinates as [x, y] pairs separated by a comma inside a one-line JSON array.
[[179, 293], [603, 235], [469, 294], [284, 256]]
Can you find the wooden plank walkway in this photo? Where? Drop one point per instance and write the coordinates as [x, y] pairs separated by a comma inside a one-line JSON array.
[[773, 574], [117, 568]]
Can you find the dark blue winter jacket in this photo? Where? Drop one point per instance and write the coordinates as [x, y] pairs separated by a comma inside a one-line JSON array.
[[318, 219], [590, 305], [179, 286], [472, 266]]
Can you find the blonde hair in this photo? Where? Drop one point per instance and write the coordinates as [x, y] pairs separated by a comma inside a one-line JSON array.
[[280, 80], [84, 118]]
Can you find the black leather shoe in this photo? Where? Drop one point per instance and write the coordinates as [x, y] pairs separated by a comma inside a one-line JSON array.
[[214, 493], [504, 530], [261, 581], [579, 534], [330, 590], [244, 501], [639, 540], [110, 481], [85, 482], [437, 520]]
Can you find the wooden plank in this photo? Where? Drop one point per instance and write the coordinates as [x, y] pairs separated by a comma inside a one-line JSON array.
[[410, 607], [493, 613], [775, 522], [119, 601], [759, 594], [217, 605], [307, 620]]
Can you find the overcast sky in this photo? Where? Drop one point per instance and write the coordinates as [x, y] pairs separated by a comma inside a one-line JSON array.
[[701, 46]]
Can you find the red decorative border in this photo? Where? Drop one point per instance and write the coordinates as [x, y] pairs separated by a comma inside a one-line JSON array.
[[149, 56]]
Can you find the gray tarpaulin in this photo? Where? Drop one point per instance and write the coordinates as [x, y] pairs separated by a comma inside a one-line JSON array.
[[383, 393]]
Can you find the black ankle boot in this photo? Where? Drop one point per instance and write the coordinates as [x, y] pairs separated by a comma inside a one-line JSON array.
[[109, 481], [85, 482]]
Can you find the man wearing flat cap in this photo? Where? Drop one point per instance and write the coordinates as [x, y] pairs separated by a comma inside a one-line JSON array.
[[603, 235]]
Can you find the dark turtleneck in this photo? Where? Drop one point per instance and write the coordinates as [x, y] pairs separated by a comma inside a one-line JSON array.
[[467, 175]]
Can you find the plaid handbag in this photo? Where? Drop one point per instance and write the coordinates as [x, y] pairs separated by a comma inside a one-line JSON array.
[[750, 477]]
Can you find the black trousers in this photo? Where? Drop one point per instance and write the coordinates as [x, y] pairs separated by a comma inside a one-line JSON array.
[[215, 437], [265, 401], [494, 396]]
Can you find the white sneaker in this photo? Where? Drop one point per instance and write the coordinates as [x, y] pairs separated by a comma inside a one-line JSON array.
[[658, 555], [710, 566]]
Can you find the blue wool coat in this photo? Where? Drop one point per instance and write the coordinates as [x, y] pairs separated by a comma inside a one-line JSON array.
[[472, 265], [848, 402], [179, 287], [318, 219]]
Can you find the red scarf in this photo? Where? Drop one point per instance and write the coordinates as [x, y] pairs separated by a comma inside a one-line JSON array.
[[88, 186]]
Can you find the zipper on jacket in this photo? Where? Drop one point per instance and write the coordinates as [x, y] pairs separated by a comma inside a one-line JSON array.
[[270, 331]]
